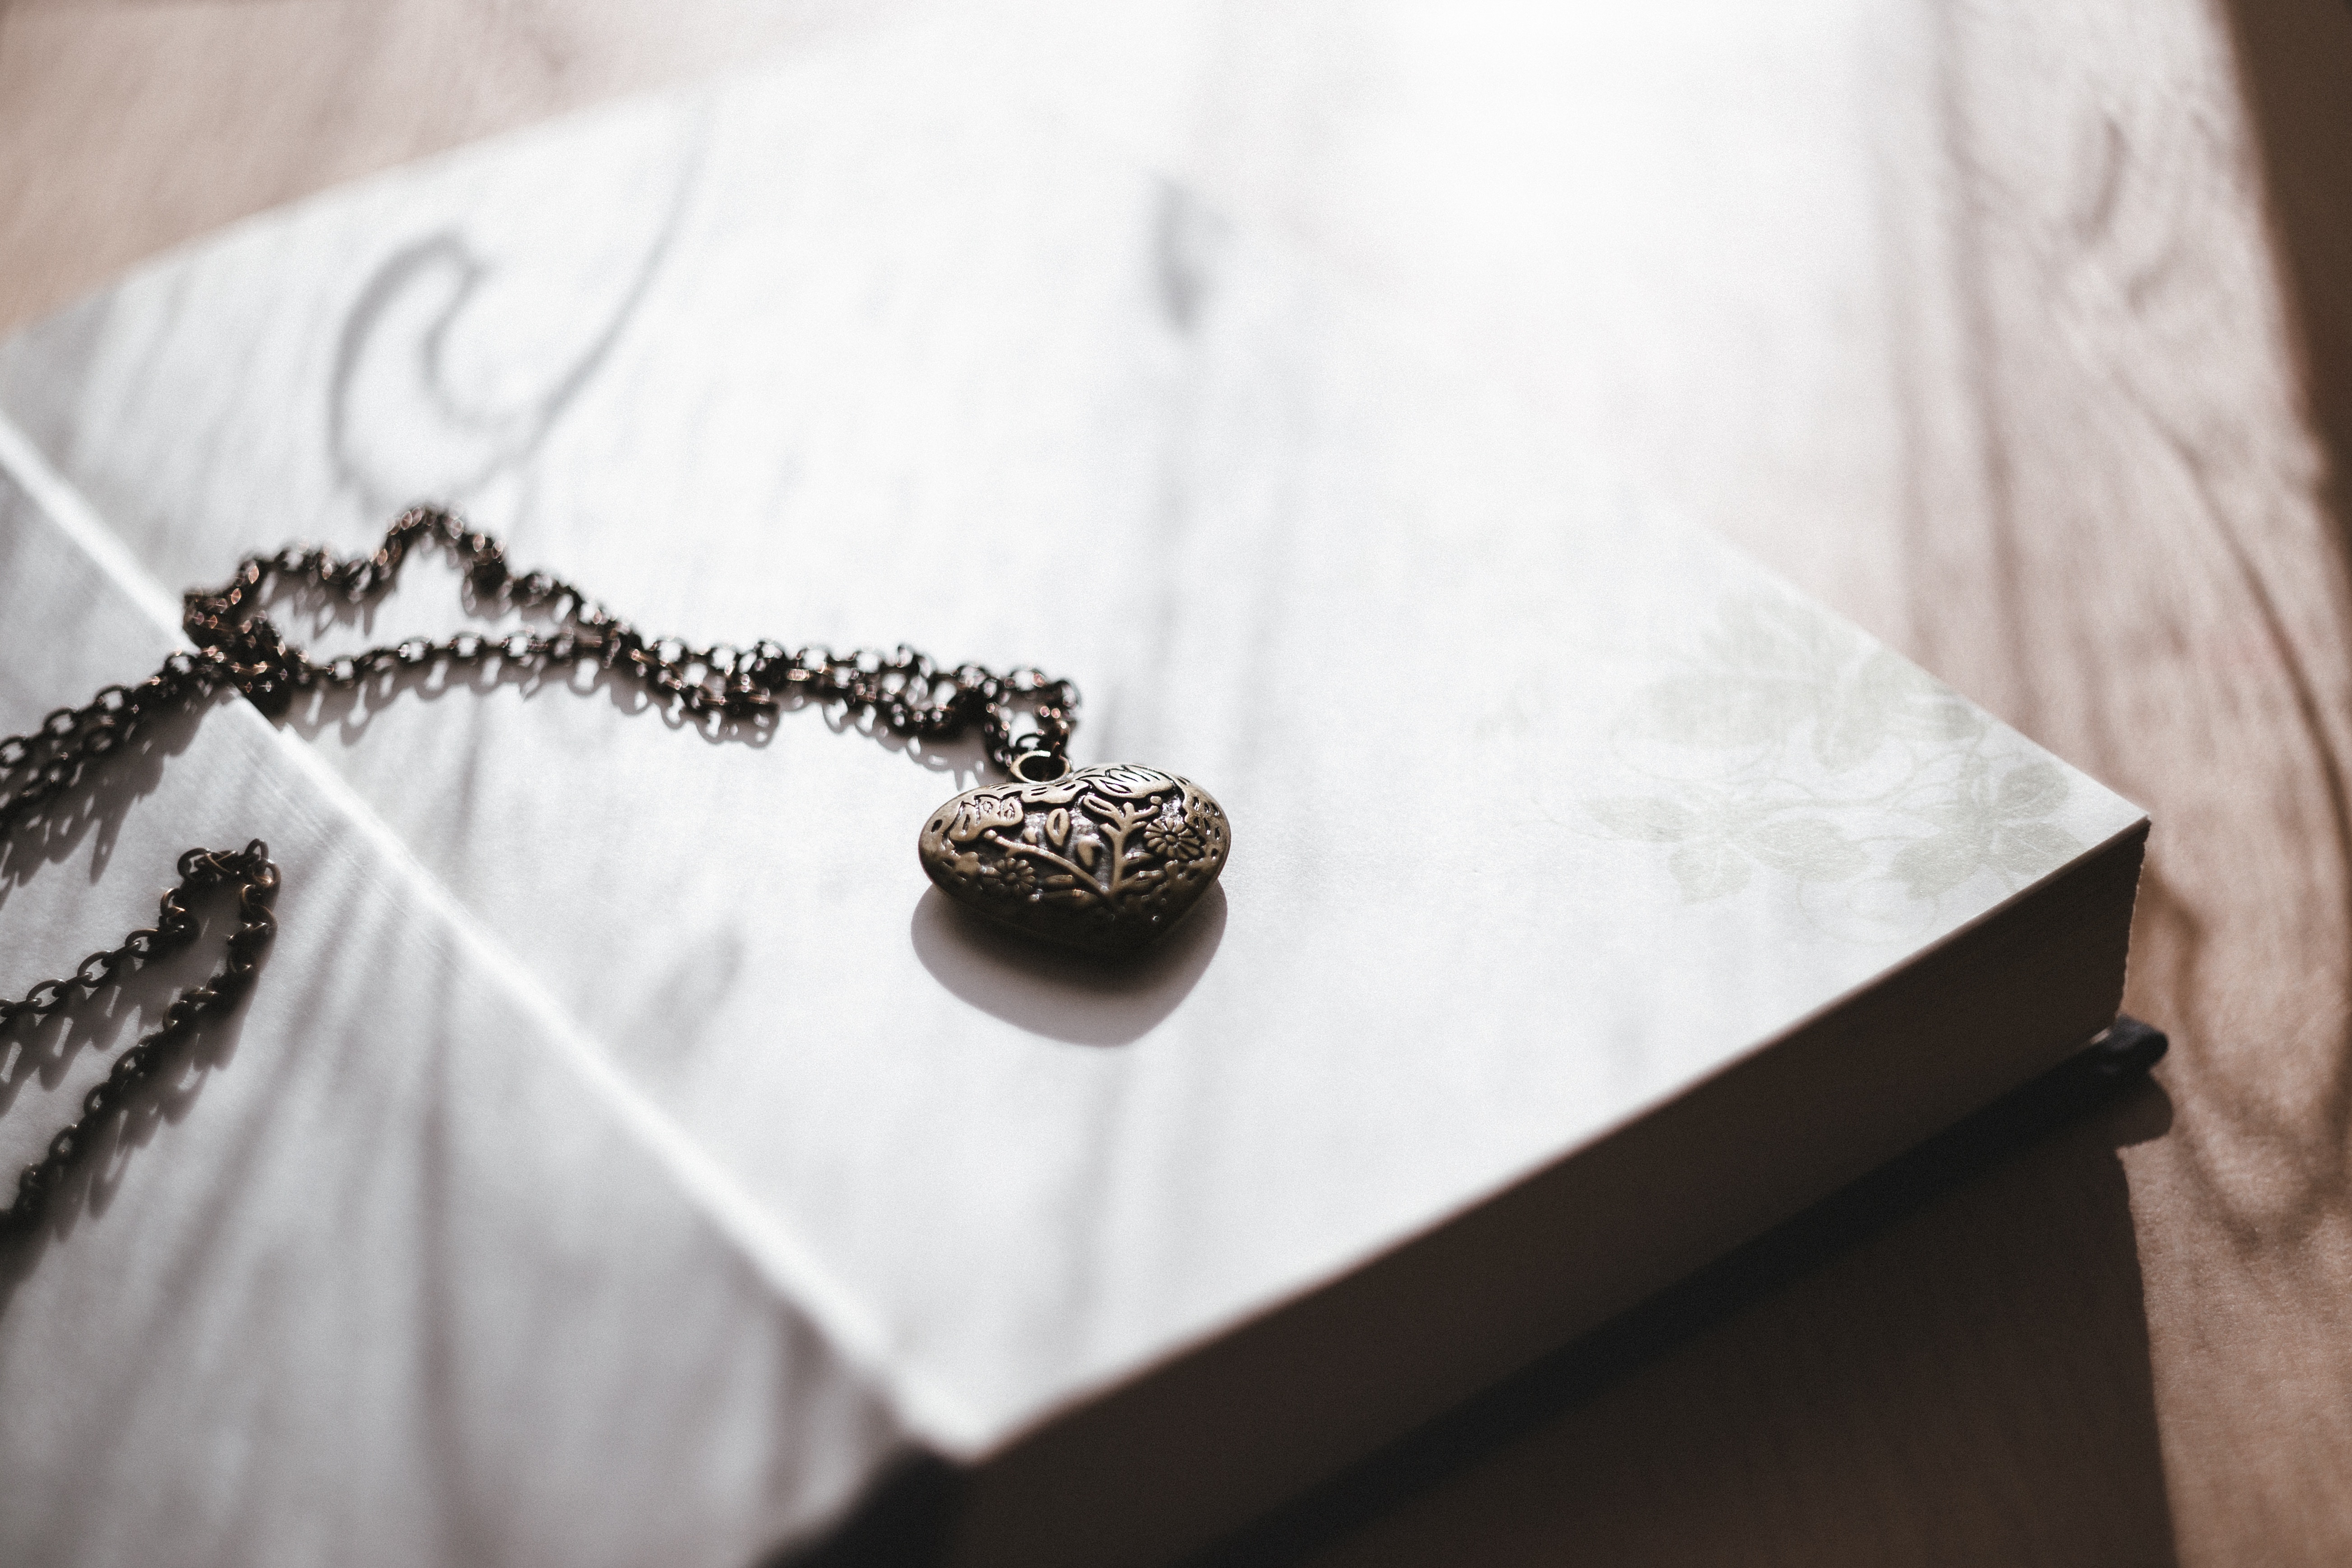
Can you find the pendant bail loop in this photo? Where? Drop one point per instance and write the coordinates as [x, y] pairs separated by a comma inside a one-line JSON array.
[[1038, 767]]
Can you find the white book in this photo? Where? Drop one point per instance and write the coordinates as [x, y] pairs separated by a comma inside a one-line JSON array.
[[626, 1155]]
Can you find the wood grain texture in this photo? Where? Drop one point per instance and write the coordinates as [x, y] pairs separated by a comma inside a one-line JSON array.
[[128, 128], [2103, 503], [2144, 502]]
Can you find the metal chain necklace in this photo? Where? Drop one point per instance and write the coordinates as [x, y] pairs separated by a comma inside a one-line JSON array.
[[1105, 859], [255, 877]]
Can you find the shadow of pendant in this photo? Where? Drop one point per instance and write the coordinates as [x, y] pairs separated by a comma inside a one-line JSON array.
[[1107, 860], [1062, 995]]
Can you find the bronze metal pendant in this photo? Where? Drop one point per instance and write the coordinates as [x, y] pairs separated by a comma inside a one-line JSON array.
[[1107, 859]]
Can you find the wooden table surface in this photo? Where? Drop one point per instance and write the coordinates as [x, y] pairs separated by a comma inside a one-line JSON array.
[[2123, 389]]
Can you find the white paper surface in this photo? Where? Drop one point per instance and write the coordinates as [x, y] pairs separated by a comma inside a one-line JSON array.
[[1544, 803], [387, 1281]]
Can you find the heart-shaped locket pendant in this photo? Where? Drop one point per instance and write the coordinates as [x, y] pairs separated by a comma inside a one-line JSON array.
[[1102, 859]]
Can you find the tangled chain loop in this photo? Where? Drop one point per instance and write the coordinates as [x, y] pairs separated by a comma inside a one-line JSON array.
[[255, 877], [904, 689], [236, 647]]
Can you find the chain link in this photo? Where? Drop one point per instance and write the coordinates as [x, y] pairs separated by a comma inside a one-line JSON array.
[[255, 877]]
